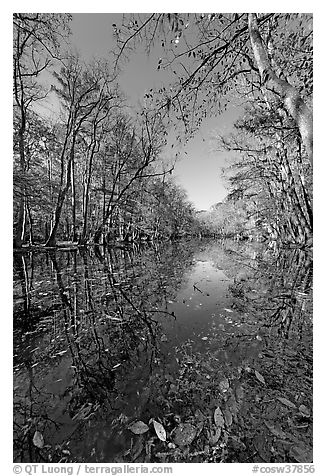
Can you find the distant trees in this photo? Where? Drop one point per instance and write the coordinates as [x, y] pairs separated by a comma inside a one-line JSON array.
[[232, 218]]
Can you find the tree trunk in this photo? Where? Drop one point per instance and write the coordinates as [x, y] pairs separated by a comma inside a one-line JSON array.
[[292, 100], [30, 221], [73, 201], [61, 197], [86, 197], [57, 214], [21, 222]]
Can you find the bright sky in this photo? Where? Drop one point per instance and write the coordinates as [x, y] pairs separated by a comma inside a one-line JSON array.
[[199, 167]]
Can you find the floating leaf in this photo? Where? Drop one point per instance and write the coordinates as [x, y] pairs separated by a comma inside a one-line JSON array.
[[199, 415], [263, 447], [239, 393], [38, 439], [214, 436], [184, 434], [138, 427], [286, 402], [160, 431], [260, 377], [233, 405], [227, 417], [276, 431], [304, 410], [301, 454], [218, 417], [137, 448], [224, 385]]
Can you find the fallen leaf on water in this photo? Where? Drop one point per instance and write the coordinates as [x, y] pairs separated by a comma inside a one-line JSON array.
[[159, 430], [224, 385], [262, 447], [304, 410], [137, 448], [214, 436], [260, 377], [286, 402], [138, 427], [233, 405], [227, 417], [276, 431], [218, 417], [239, 393], [184, 434], [38, 439], [301, 454]]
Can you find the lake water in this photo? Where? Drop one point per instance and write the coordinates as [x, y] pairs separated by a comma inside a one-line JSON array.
[[103, 338]]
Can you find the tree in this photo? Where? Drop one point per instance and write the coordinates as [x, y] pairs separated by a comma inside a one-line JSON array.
[[86, 97], [36, 43], [272, 175], [132, 153], [264, 63], [212, 55], [290, 95]]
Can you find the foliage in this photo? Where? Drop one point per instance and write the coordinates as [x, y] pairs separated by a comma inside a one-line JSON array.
[[230, 218], [104, 159], [262, 62]]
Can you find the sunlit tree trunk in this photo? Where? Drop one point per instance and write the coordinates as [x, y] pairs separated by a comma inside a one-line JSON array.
[[62, 193], [30, 222], [88, 177], [73, 201], [292, 100], [21, 222]]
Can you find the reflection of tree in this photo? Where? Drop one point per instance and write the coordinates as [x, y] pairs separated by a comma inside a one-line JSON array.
[[99, 343], [280, 288], [20, 267]]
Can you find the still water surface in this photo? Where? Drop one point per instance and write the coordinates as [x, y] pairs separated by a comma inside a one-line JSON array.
[[98, 335]]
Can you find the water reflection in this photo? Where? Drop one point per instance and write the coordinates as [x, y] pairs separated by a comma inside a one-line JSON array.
[[100, 336]]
